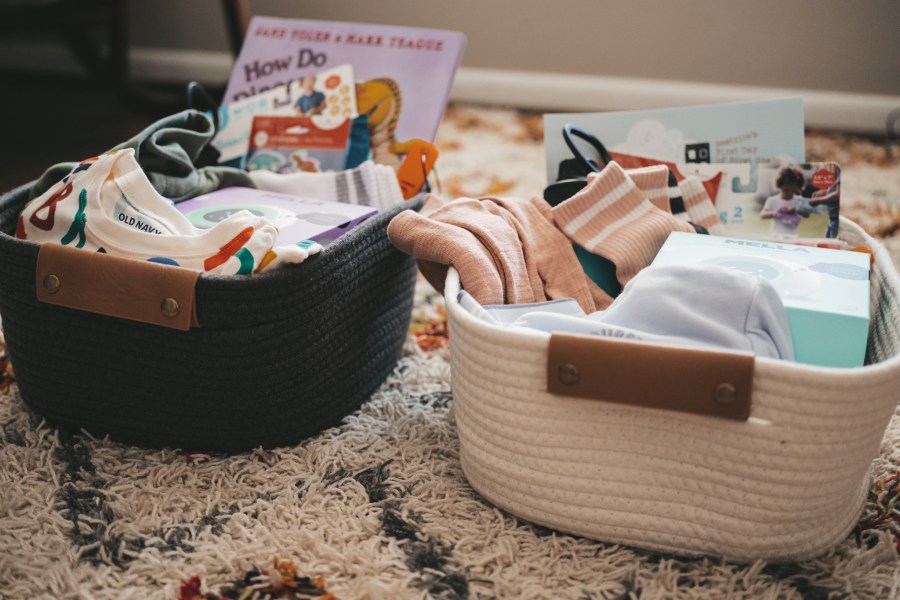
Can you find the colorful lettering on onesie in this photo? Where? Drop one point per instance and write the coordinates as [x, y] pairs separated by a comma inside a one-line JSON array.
[[107, 204]]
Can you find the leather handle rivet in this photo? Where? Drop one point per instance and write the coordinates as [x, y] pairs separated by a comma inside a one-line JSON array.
[[724, 394], [568, 374], [169, 307], [51, 284]]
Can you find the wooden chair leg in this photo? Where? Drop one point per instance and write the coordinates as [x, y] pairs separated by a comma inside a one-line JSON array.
[[237, 18]]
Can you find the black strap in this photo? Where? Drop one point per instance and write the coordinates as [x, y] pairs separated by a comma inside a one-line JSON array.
[[560, 191], [570, 131]]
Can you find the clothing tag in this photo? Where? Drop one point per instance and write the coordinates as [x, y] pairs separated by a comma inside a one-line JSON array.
[[126, 213]]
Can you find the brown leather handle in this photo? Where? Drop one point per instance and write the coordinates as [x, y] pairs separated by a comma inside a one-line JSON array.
[[131, 289], [705, 382]]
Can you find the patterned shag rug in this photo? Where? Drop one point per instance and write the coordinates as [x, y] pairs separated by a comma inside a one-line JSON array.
[[379, 507]]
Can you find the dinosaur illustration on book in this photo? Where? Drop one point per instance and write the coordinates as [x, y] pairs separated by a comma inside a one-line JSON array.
[[413, 159], [380, 99]]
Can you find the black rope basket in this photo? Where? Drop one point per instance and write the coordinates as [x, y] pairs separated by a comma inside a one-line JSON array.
[[278, 357]]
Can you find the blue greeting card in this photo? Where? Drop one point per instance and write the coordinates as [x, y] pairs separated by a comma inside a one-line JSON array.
[[740, 132]]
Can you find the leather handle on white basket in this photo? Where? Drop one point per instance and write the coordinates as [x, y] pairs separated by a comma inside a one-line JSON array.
[[130, 289], [704, 382]]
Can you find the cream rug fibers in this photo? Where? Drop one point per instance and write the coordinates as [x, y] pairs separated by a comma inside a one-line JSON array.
[[378, 507]]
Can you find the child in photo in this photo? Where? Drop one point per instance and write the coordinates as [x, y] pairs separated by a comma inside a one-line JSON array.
[[312, 101], [782, 207]]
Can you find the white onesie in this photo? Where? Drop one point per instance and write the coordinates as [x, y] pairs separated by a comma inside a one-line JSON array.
[[107, 204]]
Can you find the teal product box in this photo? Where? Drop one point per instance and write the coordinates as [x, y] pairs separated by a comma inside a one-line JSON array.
[[825, 292]]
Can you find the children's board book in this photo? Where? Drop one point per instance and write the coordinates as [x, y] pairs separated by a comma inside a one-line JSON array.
[[297, 218], [289, 144], [330, 102], [403, 74], [738, 132]]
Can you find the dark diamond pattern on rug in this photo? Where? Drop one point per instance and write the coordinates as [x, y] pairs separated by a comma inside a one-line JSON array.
[[82, 501], [427, 557]]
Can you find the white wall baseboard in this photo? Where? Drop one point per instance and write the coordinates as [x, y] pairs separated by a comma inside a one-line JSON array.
[[864, 113]]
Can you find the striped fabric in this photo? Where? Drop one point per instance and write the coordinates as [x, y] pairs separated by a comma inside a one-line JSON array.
[[700, 208], [612, 218], [653, 181]]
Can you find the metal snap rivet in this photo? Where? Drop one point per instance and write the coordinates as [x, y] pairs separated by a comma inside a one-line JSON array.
[[51, 284], [568, 374], [724, 394], [169, 307]]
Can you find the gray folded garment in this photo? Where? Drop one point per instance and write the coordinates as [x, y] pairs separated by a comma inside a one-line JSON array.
[[176, 155], [686, 305]]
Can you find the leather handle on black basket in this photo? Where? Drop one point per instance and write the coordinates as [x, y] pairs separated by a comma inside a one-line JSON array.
[[705, 382], [136, 290]]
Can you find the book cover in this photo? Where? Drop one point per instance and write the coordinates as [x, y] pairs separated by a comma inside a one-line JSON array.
[[738, 132], [289, 144], [408, 71], [331, 101], [297, 218]]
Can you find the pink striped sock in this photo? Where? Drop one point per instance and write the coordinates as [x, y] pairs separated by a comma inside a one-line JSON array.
[[653, 181], [612, 218], [700, 208]]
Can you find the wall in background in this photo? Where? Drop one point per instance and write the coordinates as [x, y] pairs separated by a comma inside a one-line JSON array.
[[842, 57], [829, 45]]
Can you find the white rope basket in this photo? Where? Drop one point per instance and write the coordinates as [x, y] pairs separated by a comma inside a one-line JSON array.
[[785, 483]]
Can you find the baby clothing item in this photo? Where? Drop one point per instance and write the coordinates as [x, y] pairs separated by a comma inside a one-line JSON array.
[[699, 207], [507, 314], [654, 182], [482, 245], [370, 184], [633, 161], [548, 253], [107, 204], [507, 250], [684, 202], [684, 305], [686, 198], [612, 218], [176, 156]]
